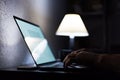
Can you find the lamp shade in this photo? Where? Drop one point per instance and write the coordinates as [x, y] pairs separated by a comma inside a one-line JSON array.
[[72, 25]]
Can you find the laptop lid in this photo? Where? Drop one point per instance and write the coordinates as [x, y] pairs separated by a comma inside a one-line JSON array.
[[35, 41]]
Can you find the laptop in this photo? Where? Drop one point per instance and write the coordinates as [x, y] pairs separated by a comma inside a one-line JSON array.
[[39, 47]]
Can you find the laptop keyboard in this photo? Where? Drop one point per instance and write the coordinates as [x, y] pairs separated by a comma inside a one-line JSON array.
[[56, 65], [61, 65]]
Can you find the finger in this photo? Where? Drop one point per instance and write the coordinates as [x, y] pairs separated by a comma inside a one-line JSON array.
[[79, 53], [68, 59], [67, 63], [75, 53], [69, 56], [83, 49], [65, 59]]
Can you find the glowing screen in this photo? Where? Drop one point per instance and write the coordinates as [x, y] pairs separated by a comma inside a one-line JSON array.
[[35, 41]]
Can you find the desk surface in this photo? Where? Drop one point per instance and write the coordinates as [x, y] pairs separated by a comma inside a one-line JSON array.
[[15, 74]]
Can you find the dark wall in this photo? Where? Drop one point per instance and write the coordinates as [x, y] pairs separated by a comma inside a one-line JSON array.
[[101, 18], [93, 15], [113, 25]]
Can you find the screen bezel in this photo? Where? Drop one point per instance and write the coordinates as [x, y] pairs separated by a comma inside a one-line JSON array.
[[15, 17]]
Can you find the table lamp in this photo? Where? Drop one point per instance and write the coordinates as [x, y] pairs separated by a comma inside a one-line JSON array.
[[72, 26]]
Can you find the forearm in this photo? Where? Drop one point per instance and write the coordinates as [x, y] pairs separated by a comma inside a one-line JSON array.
[[103, 61], [88, 58], [109, 62]]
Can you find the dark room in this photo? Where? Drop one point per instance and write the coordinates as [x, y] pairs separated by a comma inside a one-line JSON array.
[[83, 35]]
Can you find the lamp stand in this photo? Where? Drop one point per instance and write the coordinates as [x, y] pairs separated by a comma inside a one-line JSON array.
[[71, 43]]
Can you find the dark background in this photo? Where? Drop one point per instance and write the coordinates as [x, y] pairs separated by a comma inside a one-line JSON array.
[[101, 18]]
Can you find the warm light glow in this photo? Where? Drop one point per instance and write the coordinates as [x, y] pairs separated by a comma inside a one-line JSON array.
[[72, 25]]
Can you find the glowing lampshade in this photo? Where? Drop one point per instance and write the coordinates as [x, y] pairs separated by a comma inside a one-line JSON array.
[[72, 25]]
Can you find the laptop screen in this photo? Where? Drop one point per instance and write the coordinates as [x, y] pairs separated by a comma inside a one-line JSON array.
[[35, 40]]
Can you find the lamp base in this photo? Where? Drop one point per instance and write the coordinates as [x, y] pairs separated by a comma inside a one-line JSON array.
[[63, 53]]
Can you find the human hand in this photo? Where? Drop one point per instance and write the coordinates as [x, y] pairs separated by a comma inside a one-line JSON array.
[[81, 57], [73, 56]]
